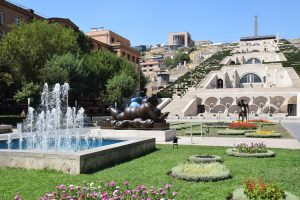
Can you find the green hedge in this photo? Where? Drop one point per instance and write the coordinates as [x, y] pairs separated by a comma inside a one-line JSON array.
[[203, 158], [232, 152], [11, 119], [231, 132], [273, 135]]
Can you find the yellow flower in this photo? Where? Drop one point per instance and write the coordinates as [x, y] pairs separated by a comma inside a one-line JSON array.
[[264, 132]]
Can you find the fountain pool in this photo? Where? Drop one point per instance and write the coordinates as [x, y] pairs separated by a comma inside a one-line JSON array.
[[56, 139]]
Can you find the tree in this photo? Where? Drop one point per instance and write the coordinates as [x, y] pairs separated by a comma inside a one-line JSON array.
[[104, 65], [180, 57], [27, 47], [121, 85], [66, 68]]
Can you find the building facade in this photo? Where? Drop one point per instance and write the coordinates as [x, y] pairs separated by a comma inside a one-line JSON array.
[[182, 39], [253, 73], [119, 45], [11, 14]]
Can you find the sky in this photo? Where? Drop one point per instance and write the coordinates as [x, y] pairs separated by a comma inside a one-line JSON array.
[[149, 21]]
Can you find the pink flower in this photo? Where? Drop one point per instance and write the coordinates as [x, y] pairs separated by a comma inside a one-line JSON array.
[[174, 193], [18, 197], [112, 184], [168, 186], [163, 192], [126, 183]]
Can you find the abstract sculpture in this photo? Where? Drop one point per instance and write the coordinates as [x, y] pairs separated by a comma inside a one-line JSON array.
[[143, 116], [244, 110]]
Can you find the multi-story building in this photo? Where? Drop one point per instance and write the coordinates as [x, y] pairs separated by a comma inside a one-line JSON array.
[[11, 14], [182, 39], [119, 44], [150, 67]]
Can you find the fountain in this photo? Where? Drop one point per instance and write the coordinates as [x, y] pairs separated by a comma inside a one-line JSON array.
[[55, 137]]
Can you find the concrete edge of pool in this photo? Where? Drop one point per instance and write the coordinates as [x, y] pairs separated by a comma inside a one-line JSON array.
[[78, 162]]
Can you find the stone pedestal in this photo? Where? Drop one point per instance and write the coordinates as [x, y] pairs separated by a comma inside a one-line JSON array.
[[5, 128]]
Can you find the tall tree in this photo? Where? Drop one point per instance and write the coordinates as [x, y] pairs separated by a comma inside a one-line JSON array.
[[27, 47]]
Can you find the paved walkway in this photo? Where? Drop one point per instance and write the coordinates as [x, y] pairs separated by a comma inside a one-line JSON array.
[[221, 141], [293, 127]]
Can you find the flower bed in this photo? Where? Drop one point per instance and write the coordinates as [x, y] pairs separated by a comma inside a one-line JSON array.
[[263, 134], [261, 122], [242, 125], [261, 190], [205, 158], [234, 152], [201, 172], [108, 191], [250, 150]]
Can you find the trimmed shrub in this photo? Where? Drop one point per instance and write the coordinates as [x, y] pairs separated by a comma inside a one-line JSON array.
[[202, 158], [233, 152], [263, 135], [231, 132], [201, 172], [11, 119]]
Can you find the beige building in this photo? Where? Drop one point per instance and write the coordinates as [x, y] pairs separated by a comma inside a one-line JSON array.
[[119, 44], [11, 14], [257, 77], [182, 39], [150, 67]]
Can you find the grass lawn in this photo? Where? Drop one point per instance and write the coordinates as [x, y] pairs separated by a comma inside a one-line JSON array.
[[182, 128], [284, 169]]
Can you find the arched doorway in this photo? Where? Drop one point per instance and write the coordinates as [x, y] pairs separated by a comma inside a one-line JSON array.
[[220, 83]]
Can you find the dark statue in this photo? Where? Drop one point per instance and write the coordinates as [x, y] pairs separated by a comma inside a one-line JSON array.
[[244, 110], [143, 115]]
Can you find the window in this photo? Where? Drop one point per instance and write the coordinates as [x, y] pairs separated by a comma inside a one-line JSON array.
[[1, 17], [250, 78], [253, 61], [17, 20]]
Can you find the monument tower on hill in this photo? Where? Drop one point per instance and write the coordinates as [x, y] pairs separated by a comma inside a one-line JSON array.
[[255, 26]]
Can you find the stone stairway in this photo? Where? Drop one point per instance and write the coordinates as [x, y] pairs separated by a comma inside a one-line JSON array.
[[176, 106]]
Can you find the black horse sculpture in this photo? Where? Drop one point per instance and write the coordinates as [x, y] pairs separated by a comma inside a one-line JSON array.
[[139, 117], [244, 110]]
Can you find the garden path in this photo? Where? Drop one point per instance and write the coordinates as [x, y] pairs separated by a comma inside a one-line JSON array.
[[226, 141]]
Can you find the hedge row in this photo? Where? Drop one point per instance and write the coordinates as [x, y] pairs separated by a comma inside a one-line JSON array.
[[205, 158], [231, 132], [11, 119], [273, 135]]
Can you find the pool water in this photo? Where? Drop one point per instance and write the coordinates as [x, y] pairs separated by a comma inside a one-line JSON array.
[[74, 145]]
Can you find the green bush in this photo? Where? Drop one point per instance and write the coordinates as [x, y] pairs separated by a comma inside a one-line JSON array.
[[262, 190], [232, 152], [205, 158], [273, 135], [238, 194], [231, 132], [11, 119], [201, 172]]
